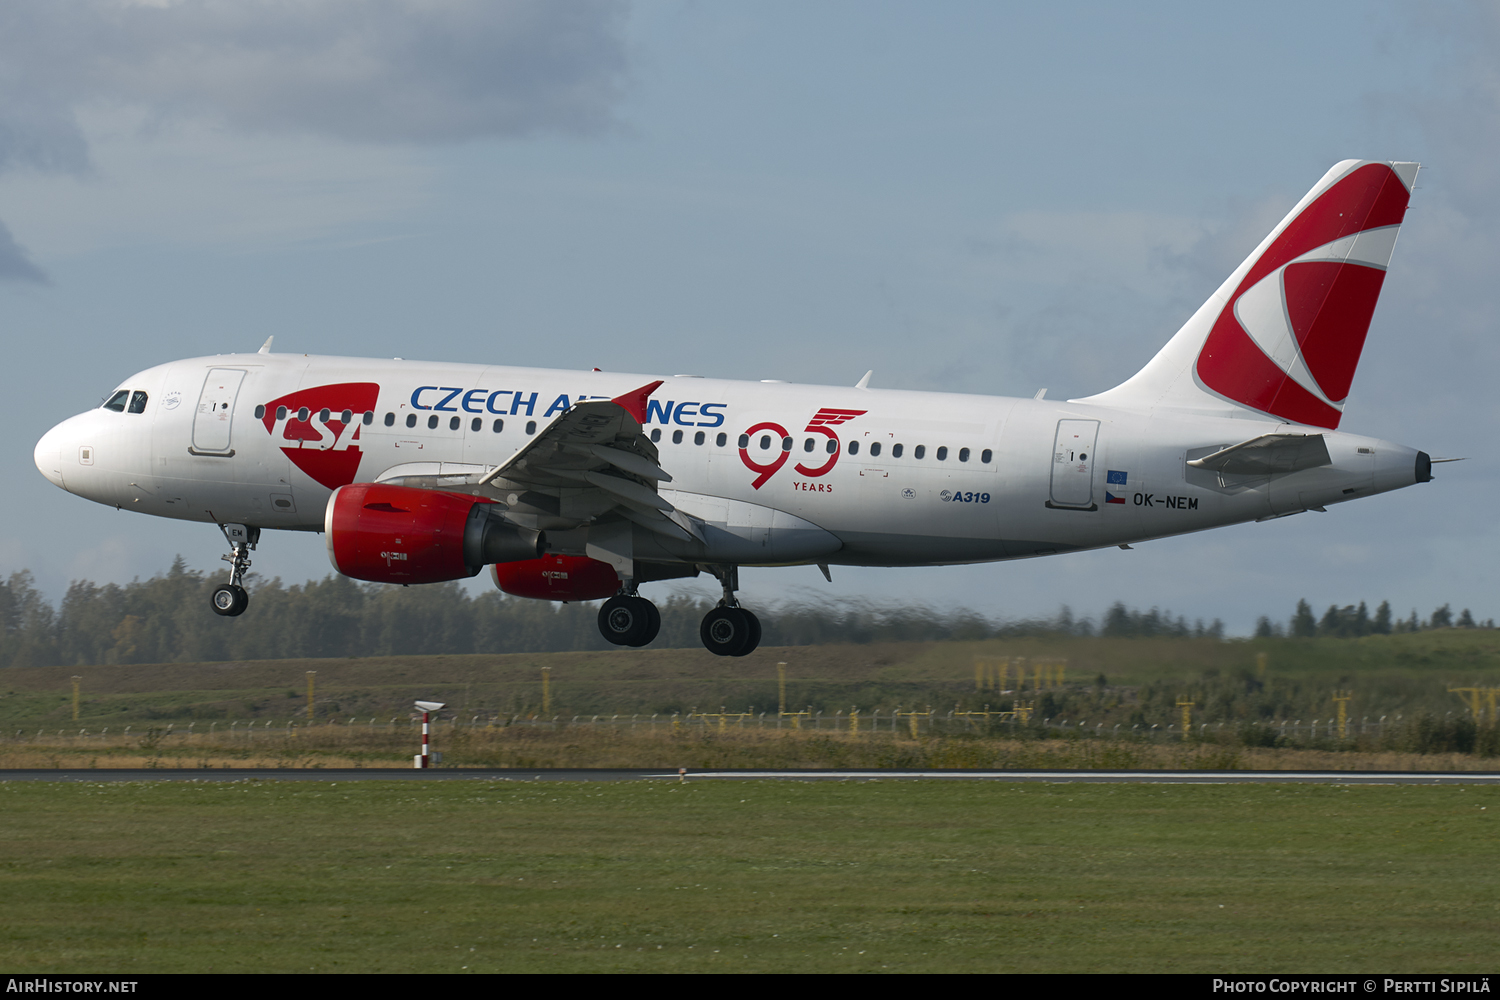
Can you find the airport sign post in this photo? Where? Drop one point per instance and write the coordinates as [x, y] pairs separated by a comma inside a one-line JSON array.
[[427, 707]]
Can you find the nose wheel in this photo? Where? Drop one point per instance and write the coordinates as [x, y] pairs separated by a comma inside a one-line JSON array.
[[230, 599], [729, 630]]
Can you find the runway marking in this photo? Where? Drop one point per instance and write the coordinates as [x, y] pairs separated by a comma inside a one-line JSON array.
[[644, 774], [1151, 777]]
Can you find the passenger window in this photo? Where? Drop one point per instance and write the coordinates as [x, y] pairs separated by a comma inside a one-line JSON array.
[[477, 423], [302, 414], [699, 438], [499, 426], [655, 434], [744, 440], [920, 452], [453, 423], [854, 447], [765, 442], [323, 416], [677, 437], [531, 427], [281, 413], [809, 444], [875, 449], [722, 439], [260, 411], [896, 451], [832, 446], [786, 444], [411, 420], [347, 417], [432, 422], [987, 456], [368, 418], [117, 401], [942, 454], [390, 420], [963, 454]]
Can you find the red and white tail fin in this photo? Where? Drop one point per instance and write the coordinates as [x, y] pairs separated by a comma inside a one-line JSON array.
[[1283, 335]]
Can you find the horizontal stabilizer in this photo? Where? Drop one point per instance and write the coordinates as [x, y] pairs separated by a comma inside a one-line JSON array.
[[1267, 455]]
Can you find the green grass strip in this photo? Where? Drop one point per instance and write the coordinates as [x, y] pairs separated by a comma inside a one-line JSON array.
[[746, 877]]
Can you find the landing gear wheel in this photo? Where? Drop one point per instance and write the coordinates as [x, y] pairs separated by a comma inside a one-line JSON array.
[[653, 629], [629, 621], [229, 600], [729, 631], [754, 640]]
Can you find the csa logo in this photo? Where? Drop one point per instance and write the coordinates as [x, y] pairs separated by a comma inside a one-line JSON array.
[[318, 429], [1289, 337], [822, 423]]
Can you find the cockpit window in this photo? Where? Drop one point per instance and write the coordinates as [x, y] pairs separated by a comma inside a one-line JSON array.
[[138, 402], [117, 401]]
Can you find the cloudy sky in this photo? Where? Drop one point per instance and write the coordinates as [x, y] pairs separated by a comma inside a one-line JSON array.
[[972, 197]]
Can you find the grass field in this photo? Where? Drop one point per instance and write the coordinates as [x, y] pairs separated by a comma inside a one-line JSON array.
[[755, 876], [695, 747], [761, 876], [1385, 672], [199, 714]]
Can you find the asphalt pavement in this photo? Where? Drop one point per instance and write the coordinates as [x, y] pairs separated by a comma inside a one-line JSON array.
[[658, 774]]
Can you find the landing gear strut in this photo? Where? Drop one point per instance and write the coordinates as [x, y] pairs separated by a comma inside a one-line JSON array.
[[627, 619], [729, 630], [230, 599]]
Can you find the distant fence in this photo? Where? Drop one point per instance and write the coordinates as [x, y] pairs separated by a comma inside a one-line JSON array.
[[909, 722]]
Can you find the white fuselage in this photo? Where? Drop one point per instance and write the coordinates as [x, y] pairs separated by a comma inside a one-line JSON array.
[[955, 478]]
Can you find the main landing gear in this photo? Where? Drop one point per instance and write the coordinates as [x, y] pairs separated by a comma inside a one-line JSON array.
[[229, 599], [729, 630], [627, 619]]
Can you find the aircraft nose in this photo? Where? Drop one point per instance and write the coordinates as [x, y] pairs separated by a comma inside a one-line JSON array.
[[48, 456]]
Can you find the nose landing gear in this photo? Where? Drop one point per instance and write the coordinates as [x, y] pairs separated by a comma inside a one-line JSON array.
[[729, 630], [230, 599]]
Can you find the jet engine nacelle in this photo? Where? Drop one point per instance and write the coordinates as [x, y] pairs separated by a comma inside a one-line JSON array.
[[398, 534], [557, 578]]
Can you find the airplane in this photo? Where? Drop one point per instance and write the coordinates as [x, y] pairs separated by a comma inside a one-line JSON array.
[[584, 485]]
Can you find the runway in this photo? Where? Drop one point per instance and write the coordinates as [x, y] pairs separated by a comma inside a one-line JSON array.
[[648, 774]]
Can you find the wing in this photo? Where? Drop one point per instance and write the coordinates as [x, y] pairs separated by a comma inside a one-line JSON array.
[[590, 465]]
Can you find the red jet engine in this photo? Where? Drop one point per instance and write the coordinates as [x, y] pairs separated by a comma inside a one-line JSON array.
[[557, 578], [399, 534]]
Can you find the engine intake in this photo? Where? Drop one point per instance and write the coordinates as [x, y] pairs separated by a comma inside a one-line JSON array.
[[398, 534]]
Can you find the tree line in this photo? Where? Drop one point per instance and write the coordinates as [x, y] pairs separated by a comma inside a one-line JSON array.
[[166, 619], [1350, 622]]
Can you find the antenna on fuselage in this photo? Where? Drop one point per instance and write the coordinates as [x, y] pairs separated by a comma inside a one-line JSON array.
[[266, 347]]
